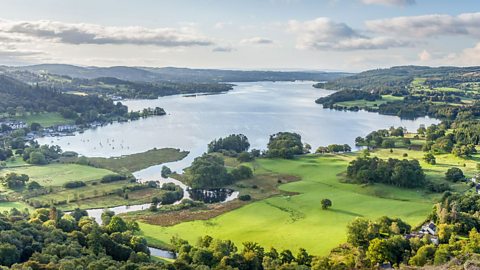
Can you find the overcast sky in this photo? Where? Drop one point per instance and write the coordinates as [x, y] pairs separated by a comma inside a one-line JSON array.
[[349, 35]]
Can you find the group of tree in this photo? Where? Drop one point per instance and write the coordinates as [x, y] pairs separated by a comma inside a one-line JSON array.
[[382, 138], [81, 109], [236, 142], [284, 145], [461, 142], [209, 253], [50, 239], [14, 180], [172, 193], [334, 148], [346, 95], [40, 154], [209, 171], [395, 172]]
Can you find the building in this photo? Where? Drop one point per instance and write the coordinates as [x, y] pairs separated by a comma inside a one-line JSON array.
[[14, 125], [66, 128], [429, 228]]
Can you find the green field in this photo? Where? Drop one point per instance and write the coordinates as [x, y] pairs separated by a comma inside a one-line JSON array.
[[58, 174], [6, 206], [45, 119], [298, 221], [136, 162], [370, 104]]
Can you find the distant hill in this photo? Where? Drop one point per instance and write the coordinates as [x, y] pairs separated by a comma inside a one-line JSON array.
[[397, 78], [171, 74]]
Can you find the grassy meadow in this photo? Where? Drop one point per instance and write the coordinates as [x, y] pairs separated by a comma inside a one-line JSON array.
[[47, 119], [370, 104], [136, 162], [57, 174], [276, 221]]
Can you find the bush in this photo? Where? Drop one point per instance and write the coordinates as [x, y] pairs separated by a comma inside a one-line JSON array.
[[37, 158], [242, 172], [112, 178], [285, 145], [74, 184], [245, 197], [166, 171], [244, 157], [454, 174]]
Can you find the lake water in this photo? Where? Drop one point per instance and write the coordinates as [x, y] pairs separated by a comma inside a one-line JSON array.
[[256, 109]]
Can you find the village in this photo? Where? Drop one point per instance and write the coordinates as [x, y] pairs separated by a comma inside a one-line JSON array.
[[7, 127]]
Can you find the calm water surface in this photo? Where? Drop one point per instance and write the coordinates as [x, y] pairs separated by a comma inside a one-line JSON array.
[[256, 109]]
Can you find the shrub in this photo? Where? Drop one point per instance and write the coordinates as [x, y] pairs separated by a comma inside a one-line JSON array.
[[454, 174], [245, 197], [112, 178], [74, 184], [242, 172]]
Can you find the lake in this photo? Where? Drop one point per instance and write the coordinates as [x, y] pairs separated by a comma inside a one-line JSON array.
[[256, 109]]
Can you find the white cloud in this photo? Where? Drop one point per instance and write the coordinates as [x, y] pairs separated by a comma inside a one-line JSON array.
[[223, 49], [389, 2], [424, 56], [428, 25], [222, 25], [468, 57], [82, 33], [323, 33], [256, 41]]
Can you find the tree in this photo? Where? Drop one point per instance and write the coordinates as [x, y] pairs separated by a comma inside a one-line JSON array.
[[13, 180], [454, 174], [35, 126], [166, 171], [8, 254], [117, 224], [242, 172], [430, 158], [360, 231], [285, 145], [423, 256], [326, 203], [207, 171], [245, 157], [37, 158], [236, 142], [107, 217]]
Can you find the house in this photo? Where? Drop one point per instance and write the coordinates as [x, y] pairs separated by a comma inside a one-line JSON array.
[[66, 128], [429, 228], [14, 125]]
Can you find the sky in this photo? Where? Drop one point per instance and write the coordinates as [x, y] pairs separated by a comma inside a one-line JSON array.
[[330, 35]]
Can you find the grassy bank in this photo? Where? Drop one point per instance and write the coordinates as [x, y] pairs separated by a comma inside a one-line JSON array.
[[136, 162]]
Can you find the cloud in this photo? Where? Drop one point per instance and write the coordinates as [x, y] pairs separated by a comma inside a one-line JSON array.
[[222, 25], [468, 57], [428, 25], [223, 49], [389, 2], [424, 56], [323, 33], [256, 41], [81, 33]]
